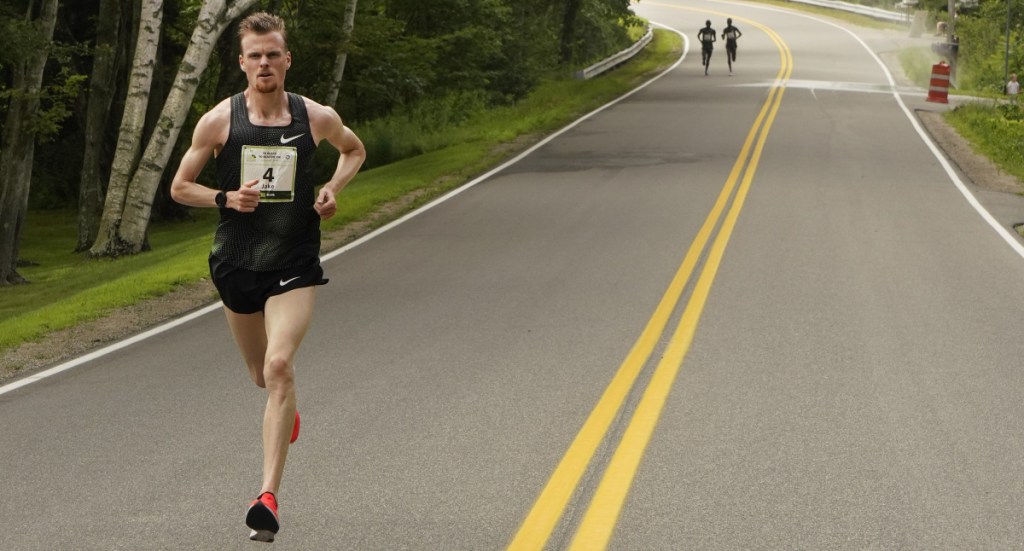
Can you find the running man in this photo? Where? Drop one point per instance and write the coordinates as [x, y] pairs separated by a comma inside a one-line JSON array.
[[265, 257], [730, 34], [707, 37]]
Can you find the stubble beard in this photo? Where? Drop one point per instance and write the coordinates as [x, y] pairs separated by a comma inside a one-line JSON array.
[[267, 87]]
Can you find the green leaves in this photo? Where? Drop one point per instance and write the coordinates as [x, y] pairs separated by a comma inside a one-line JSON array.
[[983, 49]]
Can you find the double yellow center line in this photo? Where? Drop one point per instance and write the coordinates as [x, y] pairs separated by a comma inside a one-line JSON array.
[[595, 529]]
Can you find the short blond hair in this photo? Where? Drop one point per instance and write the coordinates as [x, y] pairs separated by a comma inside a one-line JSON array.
[[262, 23]]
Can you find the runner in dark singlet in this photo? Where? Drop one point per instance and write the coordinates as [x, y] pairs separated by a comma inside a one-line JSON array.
[[707, 37], [730, 34], [265, 257], [285, 231]]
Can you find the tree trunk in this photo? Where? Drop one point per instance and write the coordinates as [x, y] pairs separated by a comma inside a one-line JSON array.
[[331, 99], [230, 80], [130, 234], [129, 139], [17, 146], [572, 9], [101, 94]]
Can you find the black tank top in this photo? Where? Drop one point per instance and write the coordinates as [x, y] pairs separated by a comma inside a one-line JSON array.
[[280, 235]]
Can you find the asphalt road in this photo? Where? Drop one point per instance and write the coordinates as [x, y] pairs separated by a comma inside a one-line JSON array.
[[838, 365]]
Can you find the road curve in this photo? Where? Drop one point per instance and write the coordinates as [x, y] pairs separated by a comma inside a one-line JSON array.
[[728, 312]]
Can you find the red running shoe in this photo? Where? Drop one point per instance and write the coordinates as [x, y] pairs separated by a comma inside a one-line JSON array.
[[262, 518], [295, 429]]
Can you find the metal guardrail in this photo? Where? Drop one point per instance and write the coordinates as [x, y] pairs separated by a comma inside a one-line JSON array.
[[617, 59], [876, 13]]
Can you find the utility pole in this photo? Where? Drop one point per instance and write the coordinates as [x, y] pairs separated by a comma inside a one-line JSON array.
[[954, 44], [1006, 59]]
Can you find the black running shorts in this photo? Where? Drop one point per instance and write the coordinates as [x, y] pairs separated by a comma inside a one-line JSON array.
[[246, 292]]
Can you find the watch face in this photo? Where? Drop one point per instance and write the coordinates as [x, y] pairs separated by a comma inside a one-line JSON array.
[[222, 199]]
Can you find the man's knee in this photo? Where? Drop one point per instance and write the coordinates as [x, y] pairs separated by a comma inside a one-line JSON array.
[[278, 372]]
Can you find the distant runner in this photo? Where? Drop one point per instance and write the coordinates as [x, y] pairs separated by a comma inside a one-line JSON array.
[[707, 37], [730, 34]]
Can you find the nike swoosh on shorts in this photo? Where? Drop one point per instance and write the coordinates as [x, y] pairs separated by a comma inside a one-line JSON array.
[[284, 282]]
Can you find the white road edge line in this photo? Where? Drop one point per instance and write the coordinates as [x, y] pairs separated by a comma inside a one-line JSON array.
[[60, 368], [10, 387], [940, 156], [936, 152]]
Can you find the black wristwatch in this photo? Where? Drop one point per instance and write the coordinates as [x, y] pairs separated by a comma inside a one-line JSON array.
[[221, 199]]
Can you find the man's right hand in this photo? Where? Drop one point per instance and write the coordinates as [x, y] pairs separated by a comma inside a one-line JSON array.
[[246, 199]]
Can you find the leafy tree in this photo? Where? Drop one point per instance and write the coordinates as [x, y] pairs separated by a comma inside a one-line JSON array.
[[385, 68], [334, 84], [25, 51], [129, 141], [126, 217], [437, 61], [102, 87], [983, 57], [596, 37]]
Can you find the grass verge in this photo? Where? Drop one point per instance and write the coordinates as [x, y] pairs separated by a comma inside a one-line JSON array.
[[917, 65], [994, 130], [69, 288]]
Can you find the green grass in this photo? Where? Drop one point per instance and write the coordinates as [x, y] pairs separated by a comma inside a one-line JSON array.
[[917, 65], [995, 131], [69, 288]]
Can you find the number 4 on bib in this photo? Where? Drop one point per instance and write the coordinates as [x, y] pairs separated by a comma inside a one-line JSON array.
[[274, 167]]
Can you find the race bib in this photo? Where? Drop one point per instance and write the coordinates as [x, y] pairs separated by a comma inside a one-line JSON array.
[[274, 167]]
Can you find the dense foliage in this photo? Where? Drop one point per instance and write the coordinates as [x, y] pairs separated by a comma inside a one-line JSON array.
[[440, 59], [985, 58]]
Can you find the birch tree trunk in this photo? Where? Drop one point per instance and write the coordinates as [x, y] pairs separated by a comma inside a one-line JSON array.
[[17, 146], [101, 94], [334, 88], [130, 235], [129, 139]]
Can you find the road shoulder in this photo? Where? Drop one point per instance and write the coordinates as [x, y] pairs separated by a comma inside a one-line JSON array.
[[62, 345]]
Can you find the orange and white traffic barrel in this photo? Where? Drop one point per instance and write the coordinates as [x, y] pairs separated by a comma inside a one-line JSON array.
[[938, 88]]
